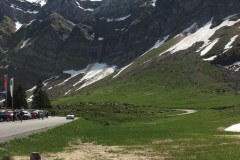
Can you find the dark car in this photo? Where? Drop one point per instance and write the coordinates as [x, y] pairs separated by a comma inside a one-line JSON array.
[[3, 116], [34, 114], [9, 115]]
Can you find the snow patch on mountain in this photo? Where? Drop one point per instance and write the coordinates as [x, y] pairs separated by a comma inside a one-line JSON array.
[[41, 2], [73, 74], [94, 73], [123, 18], [231, 16], [116, 19], [27, 11], [121, 70], [16, 7], [67, 92], [31, 89], [234, 67], [84, 9], [30, 99], [49, 80], [209, 47], [190, 29], [73, 24], [159, 43], [91, 74], [25, 43], [229, 44], [100, 38], [154, 3], [210, 58], [156, 45], [18, 25], [201, 35]]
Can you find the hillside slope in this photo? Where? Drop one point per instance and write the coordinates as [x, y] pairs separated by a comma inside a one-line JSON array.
[[182, 72]]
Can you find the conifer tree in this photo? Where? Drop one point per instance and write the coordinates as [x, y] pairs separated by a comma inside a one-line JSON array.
[[40, 97], [19, 98]]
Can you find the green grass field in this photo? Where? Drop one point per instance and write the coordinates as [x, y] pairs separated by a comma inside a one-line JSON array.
[[195, 136]]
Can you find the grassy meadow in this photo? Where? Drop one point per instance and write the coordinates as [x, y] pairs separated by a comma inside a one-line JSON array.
[[194, 136]]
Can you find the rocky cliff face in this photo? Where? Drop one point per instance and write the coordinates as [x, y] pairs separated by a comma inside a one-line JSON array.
[[70, 34]]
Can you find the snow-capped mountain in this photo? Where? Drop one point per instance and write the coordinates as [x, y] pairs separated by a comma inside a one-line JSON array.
[[45, 39], [41, 2]]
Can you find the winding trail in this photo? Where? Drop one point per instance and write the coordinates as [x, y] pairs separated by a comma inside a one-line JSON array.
[[187, 111]]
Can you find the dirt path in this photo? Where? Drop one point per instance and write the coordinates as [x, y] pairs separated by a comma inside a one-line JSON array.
[[89, 151], [187, 111]]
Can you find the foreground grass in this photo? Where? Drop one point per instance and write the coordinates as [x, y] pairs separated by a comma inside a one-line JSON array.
[[195, 136]]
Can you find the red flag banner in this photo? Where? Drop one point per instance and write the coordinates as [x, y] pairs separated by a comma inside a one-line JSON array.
[[5, 82]]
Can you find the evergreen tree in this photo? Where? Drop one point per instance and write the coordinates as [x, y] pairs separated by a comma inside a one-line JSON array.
[[40, 97], [19, 98]]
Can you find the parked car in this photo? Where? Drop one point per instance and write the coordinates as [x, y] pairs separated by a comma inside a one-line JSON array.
[[26, 115], [34, 114], [3, 116], [70, 116], [40, 113], [9, 115]]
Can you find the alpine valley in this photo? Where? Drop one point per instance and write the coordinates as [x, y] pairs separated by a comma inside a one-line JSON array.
[[120, 50], [144, 79]]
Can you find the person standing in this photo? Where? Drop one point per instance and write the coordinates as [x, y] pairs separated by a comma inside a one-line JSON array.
[[14, 116], [21, 115], [43, 115]]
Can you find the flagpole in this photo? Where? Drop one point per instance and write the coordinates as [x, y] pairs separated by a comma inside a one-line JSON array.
[[5, 86], [11, 89], [12, 102], [6, 96]]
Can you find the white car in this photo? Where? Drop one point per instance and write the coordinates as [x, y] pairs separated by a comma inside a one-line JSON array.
[[26, 115], [70, 116]]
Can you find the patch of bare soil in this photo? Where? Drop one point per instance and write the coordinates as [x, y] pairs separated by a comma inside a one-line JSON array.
[[89, 151], [231, 136]]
